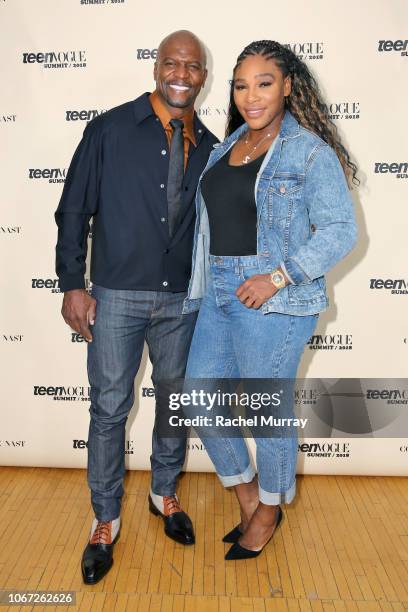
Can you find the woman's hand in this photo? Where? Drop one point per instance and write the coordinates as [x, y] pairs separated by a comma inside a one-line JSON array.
[[257, 290]]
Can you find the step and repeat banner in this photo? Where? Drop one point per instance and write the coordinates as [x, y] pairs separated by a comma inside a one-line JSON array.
[[62, 64]]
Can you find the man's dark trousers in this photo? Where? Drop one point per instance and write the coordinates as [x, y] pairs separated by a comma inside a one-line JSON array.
[[124, 320]]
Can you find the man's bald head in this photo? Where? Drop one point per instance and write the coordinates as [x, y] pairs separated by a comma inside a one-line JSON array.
[[180, 71], [182, 38]]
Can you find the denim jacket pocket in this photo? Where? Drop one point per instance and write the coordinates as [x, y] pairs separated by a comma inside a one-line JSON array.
[[247, 273], [283, 189], [309, 293]]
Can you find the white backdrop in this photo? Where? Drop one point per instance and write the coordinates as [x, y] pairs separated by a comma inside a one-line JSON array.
[[62, 63]]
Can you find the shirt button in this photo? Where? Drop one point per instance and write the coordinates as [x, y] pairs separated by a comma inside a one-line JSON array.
[[162, 186], [282, 189], [200, 130], [163, 152], [165, 251], [157, 119], [163, 219], [165, 283]]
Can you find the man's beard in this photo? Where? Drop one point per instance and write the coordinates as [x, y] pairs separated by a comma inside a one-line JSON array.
[[178, 104]]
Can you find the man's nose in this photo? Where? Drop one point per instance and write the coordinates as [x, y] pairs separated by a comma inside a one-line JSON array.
[[181, 70]]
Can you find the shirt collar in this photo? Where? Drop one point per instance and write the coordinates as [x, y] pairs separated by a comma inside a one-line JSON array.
[[162, 112], [142, 107]]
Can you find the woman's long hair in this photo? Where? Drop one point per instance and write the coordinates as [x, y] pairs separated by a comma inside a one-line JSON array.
[[304, 102]]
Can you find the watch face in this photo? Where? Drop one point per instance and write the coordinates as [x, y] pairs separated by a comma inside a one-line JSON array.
[[277, 277]]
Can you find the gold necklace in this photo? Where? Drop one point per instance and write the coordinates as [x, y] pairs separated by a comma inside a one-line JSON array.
[[248, 157]]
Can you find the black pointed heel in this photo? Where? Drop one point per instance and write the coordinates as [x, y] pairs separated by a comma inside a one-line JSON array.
[[237, 551], [232, 536]]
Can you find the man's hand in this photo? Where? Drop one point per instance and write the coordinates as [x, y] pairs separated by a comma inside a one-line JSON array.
[[79, 311], [257, 289]]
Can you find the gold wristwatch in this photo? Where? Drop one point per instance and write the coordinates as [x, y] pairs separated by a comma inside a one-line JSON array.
[[277, 279]]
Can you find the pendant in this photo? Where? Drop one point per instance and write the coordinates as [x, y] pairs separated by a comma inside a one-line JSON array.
[[246, 159]]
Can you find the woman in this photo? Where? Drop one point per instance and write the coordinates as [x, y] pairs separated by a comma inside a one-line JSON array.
[[274, 214]]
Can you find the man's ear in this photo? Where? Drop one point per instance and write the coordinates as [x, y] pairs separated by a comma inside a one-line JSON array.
[[205, 77]]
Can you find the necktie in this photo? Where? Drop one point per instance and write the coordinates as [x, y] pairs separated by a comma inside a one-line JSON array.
[[176, 172]]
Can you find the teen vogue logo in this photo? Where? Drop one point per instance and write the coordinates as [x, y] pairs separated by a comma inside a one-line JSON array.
[[82, 444], [306, 397], [344, 110], [394, 286], [77, 338], [400, 46], [390, 396], [146, 54], [52, 284], [53, 175], [70, 393], [325, 449], [331, 342], [105, 2], [83, 115], [306, 50], [400, 169], [57, 59]]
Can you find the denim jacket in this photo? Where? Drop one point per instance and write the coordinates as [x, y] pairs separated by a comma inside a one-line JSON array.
[[305, 219]]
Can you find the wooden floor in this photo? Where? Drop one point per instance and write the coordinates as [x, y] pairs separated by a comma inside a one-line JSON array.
[[343, 545]]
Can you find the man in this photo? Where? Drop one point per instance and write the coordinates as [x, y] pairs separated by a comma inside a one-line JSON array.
[[135, 172]]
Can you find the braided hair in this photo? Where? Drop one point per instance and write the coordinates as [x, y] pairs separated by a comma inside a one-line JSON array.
[[304, 102]]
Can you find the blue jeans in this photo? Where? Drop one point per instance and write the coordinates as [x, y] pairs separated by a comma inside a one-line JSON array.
[[125, 319], [233, 341]]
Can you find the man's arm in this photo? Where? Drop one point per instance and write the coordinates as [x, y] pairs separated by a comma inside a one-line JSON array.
[[79, 201]]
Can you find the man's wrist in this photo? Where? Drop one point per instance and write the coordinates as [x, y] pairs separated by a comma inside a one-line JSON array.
[[67, 282]]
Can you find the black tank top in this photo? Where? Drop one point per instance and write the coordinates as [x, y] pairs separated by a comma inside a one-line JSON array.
[[229, 195]]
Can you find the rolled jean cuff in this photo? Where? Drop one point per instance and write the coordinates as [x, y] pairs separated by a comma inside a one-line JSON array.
[[106, 518], [236, 479], [273, 499], [164, 492]]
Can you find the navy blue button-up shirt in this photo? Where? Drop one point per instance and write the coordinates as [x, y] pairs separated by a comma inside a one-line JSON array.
[[118, 176]]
